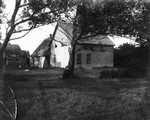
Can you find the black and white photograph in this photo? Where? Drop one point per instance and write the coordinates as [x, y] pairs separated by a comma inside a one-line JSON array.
[[74, 59]]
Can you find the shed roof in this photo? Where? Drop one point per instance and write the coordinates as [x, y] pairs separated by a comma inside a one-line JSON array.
[[97, 40], [42, 49]]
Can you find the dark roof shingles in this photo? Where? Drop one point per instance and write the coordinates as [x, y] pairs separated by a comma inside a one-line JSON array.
[[42, 48]]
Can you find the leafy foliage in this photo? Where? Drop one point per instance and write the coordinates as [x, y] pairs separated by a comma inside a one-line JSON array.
[[111, 17], [133, 59], [45, 12], [115, 17], [131, 62], [34, 12], [1, 5], [128, 55]]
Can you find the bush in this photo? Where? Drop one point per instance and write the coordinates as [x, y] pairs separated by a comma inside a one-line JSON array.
[[132, 59], [131, 72], [111, 74]]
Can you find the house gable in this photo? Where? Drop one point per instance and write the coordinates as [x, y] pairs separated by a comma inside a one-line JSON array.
[[63, 33], [94, 52], [60, 45], [43, 49]]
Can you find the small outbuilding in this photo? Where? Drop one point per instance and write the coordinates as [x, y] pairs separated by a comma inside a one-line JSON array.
[[14, 56], [41, 56]]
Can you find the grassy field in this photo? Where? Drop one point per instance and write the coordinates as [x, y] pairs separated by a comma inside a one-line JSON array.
[[43, 95]]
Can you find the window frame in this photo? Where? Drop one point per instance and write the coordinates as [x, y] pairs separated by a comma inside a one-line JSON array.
[[88, 59], [79, 59]]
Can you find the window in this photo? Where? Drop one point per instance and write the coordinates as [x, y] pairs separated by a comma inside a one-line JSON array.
[[88, 58], [79, 61]]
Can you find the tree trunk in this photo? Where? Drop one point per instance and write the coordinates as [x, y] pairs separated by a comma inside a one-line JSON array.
[[69, 71], [72, 60], [2, 66], [1, 81], [3, 47], [79, 25], [148, 69]]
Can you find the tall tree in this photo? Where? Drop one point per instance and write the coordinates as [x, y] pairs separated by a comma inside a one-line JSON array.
[[33, 12], [1, 10], [116, 17]]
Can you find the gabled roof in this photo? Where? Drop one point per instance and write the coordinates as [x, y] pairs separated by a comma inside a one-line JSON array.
[[67, 27], [63, 33], [43, 48], [12, 50], [13, 47], [97, 40]]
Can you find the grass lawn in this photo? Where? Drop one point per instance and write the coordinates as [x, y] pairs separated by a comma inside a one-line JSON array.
[[43, 95]]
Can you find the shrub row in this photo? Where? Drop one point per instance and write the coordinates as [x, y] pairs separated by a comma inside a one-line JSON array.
[[124, 73]]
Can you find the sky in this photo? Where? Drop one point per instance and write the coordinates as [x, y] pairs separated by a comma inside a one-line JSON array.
[[31, 41], [34, 38]]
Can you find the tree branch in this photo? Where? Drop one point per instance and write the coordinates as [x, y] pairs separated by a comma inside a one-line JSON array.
[[60, 42], [25, 20], [24, 5], [18, 18], [33, 27], [57, 40], [68, 35], [21, 30], [20, 36], [15, 12]]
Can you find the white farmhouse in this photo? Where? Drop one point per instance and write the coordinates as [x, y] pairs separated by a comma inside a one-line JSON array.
[[94, 52], [90, 53]]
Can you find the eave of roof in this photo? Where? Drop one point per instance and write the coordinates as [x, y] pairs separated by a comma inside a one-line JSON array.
[[97, 40], [42, 48]]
